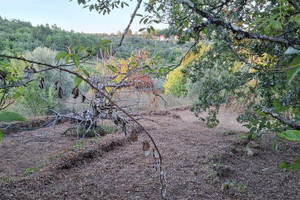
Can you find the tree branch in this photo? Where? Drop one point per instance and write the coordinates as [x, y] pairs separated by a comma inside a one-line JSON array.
[[282, 119], [236, 30], [128, 26]]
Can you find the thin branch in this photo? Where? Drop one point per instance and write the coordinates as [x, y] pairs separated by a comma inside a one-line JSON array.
[[128, 26], [295, 4], [16, 84], [8, 104]]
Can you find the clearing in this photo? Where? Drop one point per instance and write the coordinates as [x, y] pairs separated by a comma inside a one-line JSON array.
[[201, 163]]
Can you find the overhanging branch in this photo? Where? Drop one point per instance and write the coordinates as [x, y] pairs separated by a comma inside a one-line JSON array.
[[236, 30], [282, 119]]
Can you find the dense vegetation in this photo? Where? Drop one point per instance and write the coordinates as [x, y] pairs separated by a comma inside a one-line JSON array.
[[41, 43], [18, 37]]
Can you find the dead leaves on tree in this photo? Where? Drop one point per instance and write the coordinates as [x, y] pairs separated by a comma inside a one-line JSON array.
[[133, 136]]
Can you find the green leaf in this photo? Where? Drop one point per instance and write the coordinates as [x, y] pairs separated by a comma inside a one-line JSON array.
[[276, 24], [276, 103], [292, 135], [248, 125], [112, 68], [86, 73], [293, 166], [77, 81], [282, 108], [291, 73], [205, 30], [17, 94], [100, 46], [67, 58], [186, 24], [296, 19], [60, 55], [254, 136], [295, 62], [261, 113], [91, 7], [1, 135], [75, 59], [146, 20], [11, 117], [132, 63], [253, 129]]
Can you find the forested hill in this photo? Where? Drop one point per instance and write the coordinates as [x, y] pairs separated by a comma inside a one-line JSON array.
[[18, 37]]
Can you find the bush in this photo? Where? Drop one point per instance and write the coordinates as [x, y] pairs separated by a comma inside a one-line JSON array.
[[34, 101], [175, 83]]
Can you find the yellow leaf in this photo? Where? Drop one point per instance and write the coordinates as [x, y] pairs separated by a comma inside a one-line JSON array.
[[237, 66]]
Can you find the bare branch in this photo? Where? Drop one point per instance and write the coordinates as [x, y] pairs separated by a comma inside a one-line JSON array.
[[295, 4], [128, 26]]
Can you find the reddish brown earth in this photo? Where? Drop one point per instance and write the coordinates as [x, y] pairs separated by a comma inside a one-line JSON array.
[[201, 163]]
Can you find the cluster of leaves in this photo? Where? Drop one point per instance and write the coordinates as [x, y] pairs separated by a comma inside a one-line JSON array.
[[104, 7]]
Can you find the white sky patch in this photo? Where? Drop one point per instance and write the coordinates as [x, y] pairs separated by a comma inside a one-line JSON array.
[[70, 15]]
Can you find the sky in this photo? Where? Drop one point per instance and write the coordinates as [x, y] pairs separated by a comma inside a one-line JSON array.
[[69, 15]]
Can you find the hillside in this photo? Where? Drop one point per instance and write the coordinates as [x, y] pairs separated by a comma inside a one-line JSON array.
[[17, 37]]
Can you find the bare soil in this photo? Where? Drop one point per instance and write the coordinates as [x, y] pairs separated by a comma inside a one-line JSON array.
[[201, 163]]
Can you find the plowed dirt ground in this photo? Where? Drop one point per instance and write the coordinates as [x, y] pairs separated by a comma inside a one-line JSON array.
[[201, 163]]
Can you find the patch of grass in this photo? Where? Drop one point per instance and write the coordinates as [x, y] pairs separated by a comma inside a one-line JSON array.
[[4, 179], [52, 157], [78, 144], [224, 132], [100, 130], [234, 184], [34, 169], [109, 129], [243, 136]]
